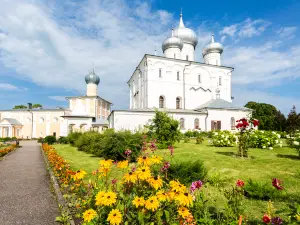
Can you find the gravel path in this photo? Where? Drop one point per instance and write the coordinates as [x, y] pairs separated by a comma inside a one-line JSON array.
[[25, 196]]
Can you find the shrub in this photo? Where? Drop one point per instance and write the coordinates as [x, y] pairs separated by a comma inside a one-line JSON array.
[[294, 143], [72, 137], [187, 172], [260, 191], [186, 139], [40, 140], [264, 139], [50, 140], [62, 140], [199, 139], [224, 139], [86, 140], [164, 129], [189, 134]]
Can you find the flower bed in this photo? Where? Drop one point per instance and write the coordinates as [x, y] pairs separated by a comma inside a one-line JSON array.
[[7, 150], [224, 139]]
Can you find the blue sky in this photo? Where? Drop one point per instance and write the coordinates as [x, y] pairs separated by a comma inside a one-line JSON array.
[[47, 47]]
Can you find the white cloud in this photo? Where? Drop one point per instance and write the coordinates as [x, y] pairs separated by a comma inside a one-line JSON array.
[[8, 87], [58, 98], [287, 32]]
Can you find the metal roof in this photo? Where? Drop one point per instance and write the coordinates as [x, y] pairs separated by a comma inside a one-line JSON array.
[[160, 109], [221, 104], [12, 121]]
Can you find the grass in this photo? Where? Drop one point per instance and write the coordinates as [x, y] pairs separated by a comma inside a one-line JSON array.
[[263, 165]]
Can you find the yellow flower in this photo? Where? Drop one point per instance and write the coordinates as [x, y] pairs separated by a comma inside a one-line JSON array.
[[155, 182], [144, 160], [122, 164], [184, 199], [176, 186], [152, 203], [106, 163], [79, 175], [100, 198], [130, 177], [183, 212], [138, 201], [109, 198], [114, 217], [143, 173], [298, 217], [156, 159], [89, 215], [162, 196], [171, 195]]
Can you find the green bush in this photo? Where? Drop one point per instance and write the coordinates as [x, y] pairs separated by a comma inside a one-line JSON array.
[[40, 140], [187, 172], [63, 140], [186, 139], [72, 137], [50, 140], [264, 139], [260, 191], [223, 139], [199, 139], [86, 140]]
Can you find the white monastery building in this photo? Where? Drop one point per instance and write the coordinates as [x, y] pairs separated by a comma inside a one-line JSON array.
[[196, 94], [89, 112]]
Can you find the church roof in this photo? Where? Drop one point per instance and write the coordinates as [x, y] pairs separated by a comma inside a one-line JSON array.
[[11, 121], [70, 97], [159, 109], [220, 104], [101, 122]]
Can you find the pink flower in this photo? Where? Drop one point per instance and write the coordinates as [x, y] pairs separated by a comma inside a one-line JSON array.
[[165, 167], [240, 183], [114, 181], [128, 152], [266, 219], [196, 185], [277, 184], [171, 148]]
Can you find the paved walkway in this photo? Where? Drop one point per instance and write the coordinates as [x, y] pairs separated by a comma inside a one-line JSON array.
[[25, 196]]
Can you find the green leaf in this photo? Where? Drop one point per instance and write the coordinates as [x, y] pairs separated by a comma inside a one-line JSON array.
[[167, 214]]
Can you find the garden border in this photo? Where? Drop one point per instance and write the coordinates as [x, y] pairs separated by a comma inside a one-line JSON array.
[[2, 158], [56, 188]]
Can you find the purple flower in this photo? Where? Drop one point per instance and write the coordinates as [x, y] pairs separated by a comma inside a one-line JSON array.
[[128, 152], [277, 220], [114, 181], [165, 167], [133, 169], [196, 185], [277, 184]]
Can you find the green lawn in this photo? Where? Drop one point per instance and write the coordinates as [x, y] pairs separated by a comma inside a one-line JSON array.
[[282, 163]]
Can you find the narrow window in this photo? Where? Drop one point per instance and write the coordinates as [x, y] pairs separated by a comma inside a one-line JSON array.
[[178, 103], [178, 75], [199, 79], [232, 123], [181, 123], [174, 55], [161, 102], [160, 73], [196, 124], [220, 81], [187, 57]]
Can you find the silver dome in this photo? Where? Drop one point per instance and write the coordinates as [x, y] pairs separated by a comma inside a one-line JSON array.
[[172, 42], [92, 78], [212, 47], [185, 34]]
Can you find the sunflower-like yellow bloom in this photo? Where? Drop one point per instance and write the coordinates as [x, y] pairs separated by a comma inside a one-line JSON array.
[[122, 164], [155, 182], [171, 195], [184, 199], [161, 196], [152, 203], [106, 163], [156, 159], [144, 160], [100, 198], [176, 186], [89, 215], [143, 173], [297, 217], [130, 177], [138, 201], [79, 175], [114, 217], [109, 198], [183, 212]]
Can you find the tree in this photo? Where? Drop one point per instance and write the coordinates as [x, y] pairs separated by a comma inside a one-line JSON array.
[[269, 117], [293, 121], [20, 107], [34, 106], [164, 129]]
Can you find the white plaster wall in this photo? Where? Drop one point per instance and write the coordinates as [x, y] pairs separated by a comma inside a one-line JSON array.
[[213, 58], [188, 50], [173, 53], [134, 121]]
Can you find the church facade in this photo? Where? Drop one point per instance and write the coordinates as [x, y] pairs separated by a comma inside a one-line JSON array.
[[197, 94]]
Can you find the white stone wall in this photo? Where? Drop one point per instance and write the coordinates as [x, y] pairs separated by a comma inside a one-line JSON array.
[[146, 86], [213, 58], [188, 52], [173, 53]]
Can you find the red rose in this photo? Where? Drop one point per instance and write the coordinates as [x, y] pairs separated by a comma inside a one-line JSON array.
[[266, 218], [255, 123], [240, 183]]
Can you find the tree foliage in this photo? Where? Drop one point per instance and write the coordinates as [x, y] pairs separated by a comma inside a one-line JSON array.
[[269, 117], [20, 107], [293, 121], [164, 129], [37, 105]]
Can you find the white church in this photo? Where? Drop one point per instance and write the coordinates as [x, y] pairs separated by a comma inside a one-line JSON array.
[[196, 94]]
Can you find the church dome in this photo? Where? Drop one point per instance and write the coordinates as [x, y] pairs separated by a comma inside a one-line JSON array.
[[213, 47], [172, 42], [92, 78], [185, 34]]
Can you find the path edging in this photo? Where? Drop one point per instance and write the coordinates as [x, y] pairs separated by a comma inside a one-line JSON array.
[[56, 188], [9, 153]]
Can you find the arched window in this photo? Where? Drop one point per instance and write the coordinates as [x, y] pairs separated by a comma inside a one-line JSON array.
[[187, 57], [42, 120], [82, 127], [178, 75], [71, 128], [55, 119], [199, 78], [182, 124], [196, 124], [178, 103], [220, 81], [161, 102], [232, 122], [160, 73]]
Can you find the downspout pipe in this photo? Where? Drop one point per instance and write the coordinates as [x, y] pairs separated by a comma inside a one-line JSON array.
[[190, 63], [206, 119]]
